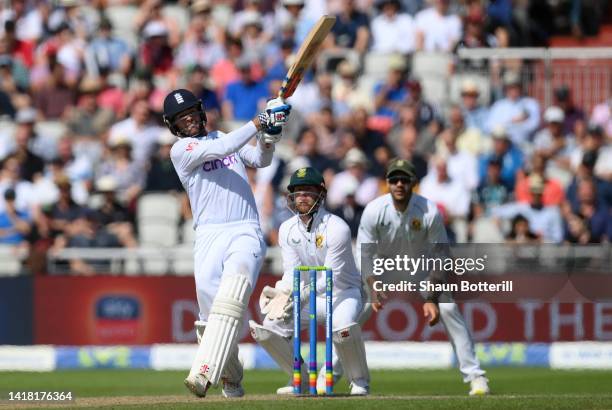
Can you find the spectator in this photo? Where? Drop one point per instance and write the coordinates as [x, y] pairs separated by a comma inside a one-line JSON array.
[[393, 92], [552, 195], [15, 224], [594, 215], [350, 211], [468, 140], [491, 192], [406, 148], [243, 97], [13, 74], [150, 12], [10, 179], [21, 50], [426, 114], [161, 175], [28, 22], [253, 37], [88, 119], [461, 164], [139, 129], [439, 187], [595, 142], [474, 36], [293, 11], [475, 114], [520, 115], [156, 52], [436, 28], [367, 139], [107, 52], [520, 232], [555, 145], [509, 155], [602, 115], [128, 174], [352, 29], [586, 172], [112, 220], [198, 82], [243, 17], [392, 31], [308, 147], [225, 70], [346, 93], [355, 166], [573, 114], [31, 165], [54, 99], [25, 132], [78, 165], [544, 221], [199, 48], [311, 97]]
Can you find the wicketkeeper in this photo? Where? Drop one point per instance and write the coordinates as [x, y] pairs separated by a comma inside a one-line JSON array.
[[314, 237]]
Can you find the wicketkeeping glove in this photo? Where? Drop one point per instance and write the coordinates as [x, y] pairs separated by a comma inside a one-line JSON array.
[[304, 300], [275, 116]]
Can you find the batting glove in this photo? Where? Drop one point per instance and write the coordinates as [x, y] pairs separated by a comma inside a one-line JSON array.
[[275, 116], [268, 138]]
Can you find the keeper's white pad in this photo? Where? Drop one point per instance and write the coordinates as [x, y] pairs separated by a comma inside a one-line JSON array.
[[224, 320], [233, 371], [278, 347], [351, 351]]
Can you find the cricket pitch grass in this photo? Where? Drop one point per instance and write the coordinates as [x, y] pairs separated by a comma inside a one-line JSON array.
[[513, 388]]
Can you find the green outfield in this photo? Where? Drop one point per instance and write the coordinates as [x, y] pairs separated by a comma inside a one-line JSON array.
[[514, 388]]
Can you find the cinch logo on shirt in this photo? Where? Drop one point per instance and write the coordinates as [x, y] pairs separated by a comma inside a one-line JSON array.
[[219, 163]]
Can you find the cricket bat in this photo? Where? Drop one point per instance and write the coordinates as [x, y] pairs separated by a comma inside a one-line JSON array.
[[306, 55]]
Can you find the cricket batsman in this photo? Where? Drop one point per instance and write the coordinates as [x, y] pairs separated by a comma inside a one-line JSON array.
[[314, 237], [229, 245], [398, 222]]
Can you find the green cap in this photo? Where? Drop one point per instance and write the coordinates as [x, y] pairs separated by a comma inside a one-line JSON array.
[[306, 176], [400, 165]]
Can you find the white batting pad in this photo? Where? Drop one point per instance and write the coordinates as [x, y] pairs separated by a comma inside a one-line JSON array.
[[278, 347], [233, 371], [224, 321], [351, 351]]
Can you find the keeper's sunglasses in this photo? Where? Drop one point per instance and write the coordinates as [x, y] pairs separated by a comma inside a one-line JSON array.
[[394, 180]]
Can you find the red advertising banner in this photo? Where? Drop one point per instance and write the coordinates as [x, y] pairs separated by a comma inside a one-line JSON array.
[[106, 310]]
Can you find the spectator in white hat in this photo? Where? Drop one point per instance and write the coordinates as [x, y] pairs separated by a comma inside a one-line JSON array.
[[474, 113], [355, 166], [555, 145]]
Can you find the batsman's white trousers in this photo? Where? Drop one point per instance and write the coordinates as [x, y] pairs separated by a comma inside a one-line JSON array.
[[346, 307], [234, 248]]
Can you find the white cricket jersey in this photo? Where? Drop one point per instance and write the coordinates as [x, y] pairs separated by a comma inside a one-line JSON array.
[[212, 170], [328, 243], [395, 232]]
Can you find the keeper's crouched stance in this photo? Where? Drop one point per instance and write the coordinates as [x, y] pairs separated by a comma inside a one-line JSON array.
[[229, 244], [315, 237]]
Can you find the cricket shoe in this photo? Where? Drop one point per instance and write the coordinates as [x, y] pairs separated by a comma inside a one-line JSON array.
[[479, 386], [198, 384], [360, 388], [321, 385], [231, 390]]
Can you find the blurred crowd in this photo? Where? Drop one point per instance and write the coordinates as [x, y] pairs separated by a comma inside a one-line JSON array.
[[82, 85]]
